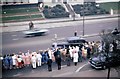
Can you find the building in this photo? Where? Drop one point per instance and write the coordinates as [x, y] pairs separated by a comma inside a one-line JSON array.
[[112, 6], [44, 1]]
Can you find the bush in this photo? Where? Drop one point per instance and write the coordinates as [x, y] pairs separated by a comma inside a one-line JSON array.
[[89, 9], [55, 12]]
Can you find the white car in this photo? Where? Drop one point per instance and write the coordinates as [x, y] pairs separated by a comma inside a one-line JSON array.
[[35, 32]]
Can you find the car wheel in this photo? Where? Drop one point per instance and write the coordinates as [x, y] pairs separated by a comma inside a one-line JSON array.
[[104, 67]]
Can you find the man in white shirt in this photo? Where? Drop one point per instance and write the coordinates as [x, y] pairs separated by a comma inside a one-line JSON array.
[[39, 57], [33, 60], [14, 58]]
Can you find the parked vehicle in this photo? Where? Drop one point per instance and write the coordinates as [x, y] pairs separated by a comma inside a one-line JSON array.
[[103, 61]]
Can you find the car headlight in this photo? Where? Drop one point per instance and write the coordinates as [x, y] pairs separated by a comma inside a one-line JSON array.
[[97, 62], [90, 58]]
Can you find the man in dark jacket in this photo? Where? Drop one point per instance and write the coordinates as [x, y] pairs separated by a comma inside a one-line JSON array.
[[68, 57], [58, 58], [88, 52], [49, 63]]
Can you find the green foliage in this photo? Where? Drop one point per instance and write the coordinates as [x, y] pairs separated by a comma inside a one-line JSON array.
[[21, 18], [46, 7], [20, 13], [55, 12], [89, 8], [107, 6]]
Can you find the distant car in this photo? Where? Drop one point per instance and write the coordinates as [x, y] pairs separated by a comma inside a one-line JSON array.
[[35, 32], [75, 40], [70, 41], [103, 61]]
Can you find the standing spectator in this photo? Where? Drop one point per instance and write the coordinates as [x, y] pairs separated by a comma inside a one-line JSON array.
[[43, 56], [53, 57], [96, 46], [5, 62], [39, 57], [27, 59], [10, 61], [49, 63], [63, 52], [100, 47], [46, 56], [71, 52], [114, 46], [88, 52], [50, 53], [33, 60], [8, 58], [58, 58], [19, 60], [23, 59], [77, 48], [80, 55], [16, 55], [68, 57], [75, 58], [93, 47], [14, 59], [84, 52]]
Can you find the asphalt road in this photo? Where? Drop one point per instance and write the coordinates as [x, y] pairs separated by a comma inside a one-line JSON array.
[[13, 42]]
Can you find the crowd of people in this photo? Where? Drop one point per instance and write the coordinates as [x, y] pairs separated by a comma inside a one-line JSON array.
[[36, 59]]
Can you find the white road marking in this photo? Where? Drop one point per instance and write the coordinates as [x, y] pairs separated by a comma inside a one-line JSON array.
[[15, 39], [32, 71], [81, 67], [64, 66], [14, 35], [63, 74], [19, 74]]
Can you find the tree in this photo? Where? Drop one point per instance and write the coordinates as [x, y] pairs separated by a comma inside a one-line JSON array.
[[109, 38]]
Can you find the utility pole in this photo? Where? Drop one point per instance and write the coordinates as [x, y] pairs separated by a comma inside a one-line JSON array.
[[83, 19], [107, 50]]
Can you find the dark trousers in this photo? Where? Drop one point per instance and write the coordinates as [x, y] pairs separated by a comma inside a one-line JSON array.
[[58, 61], [75, 63], [49, 67], [80, 59], [59, 65], [68, 61]]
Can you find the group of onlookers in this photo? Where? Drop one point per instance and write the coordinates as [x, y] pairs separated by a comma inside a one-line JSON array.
[[35, 59]]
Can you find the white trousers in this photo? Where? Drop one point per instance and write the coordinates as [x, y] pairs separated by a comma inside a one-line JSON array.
[[34, 64], [39, 62]]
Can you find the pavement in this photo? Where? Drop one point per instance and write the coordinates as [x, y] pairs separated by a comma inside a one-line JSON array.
[[83, 69], [49, 23]]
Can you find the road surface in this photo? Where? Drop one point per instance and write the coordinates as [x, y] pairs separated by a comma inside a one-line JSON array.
[[14, 42]]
